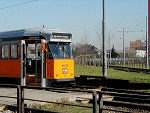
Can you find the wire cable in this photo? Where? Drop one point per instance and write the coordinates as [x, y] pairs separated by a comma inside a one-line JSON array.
[[138, 25], [17, 4]]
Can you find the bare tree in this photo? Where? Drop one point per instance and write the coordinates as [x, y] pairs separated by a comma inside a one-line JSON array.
[[98, 31]]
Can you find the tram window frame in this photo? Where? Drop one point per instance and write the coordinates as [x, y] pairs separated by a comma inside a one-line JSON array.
[[14, 44], [5, 52]]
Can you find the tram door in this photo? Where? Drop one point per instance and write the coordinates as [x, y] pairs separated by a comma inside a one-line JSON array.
[[33, 65]]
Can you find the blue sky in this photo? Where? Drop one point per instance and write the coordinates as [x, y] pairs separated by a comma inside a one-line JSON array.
[[82, 18]]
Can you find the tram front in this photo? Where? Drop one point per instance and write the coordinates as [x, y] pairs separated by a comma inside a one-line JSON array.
[[59, 61]]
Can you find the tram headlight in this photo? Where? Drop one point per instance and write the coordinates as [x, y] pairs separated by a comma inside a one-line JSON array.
[[64, 70]]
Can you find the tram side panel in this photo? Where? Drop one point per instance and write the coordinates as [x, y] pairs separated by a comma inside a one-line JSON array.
[[10, 69], [49, 69]]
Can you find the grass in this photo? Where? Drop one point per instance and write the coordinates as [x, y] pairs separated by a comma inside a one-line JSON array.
[[114, 74], [63, 108]]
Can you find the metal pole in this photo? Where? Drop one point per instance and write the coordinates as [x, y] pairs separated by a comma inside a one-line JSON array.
[[94, 102], [42, 66], [100, 102], [24, 64], [110, 50], [104, 69], [20, 99], [123, 48], [36, 63], [23, 67], [147, 58]]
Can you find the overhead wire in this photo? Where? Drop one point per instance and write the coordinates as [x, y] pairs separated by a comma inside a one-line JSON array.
[[18, 4], [137, 25], [132, 29]]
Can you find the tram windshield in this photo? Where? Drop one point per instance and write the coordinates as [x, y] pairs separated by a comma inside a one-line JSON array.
[[59, 50]]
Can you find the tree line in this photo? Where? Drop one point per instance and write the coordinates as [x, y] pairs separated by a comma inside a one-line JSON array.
[[87, 49]]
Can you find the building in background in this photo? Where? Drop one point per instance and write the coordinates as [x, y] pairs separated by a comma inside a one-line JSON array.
[[138, 45]]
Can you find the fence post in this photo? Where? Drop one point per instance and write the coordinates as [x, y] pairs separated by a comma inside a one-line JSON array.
[[94, 102], [100, 102], [20, 99]]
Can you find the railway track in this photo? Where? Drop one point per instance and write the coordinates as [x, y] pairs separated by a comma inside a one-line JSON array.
[[123, 99], [128, 98], [129, 69]]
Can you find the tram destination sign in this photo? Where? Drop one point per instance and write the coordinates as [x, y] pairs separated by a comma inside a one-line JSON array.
[[34, 37], [61, 36]]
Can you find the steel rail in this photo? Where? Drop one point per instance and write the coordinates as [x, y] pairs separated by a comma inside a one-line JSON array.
[[128, 105], [123, 111], [57, 89], [9, 97], [124, 91], [9, 85], [147, 71], [126, 95], [128, 99]]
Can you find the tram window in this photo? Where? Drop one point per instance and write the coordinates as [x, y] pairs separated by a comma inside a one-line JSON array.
[[49, 54], [14, 50], [4, 50], [63, 51], [60, 50], [31, 51]]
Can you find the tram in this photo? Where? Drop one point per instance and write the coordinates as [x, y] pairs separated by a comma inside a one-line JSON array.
[[36, 56]]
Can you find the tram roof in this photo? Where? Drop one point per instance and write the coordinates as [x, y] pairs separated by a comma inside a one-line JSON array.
[[46, 32]]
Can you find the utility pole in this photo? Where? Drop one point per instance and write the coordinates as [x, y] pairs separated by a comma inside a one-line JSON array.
[[123, 41], [147, 60], [104, 68], [124, 50], [110, 50]]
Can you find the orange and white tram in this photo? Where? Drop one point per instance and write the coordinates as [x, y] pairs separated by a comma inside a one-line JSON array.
[[36, 56]]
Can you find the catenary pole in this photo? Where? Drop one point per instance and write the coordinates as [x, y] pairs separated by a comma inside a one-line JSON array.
[[104, 68], [124, 38], [109, 50], [147, 60], [124, 57]]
